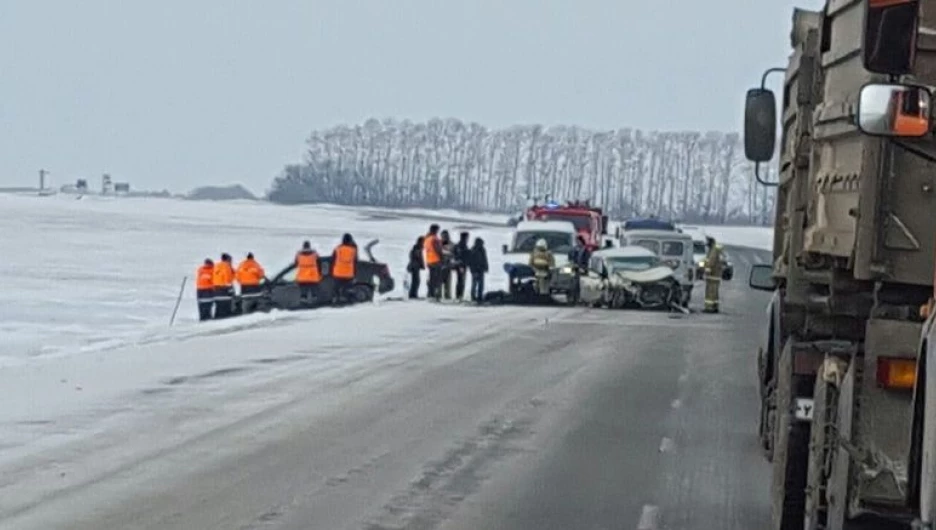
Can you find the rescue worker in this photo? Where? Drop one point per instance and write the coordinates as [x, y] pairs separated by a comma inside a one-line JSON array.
[[448, 251], [344, 266], [460, 264], [249, 275], [714, 265], [432, 245], [204, 289], [542, 261], [308, 274], [223, 282], [414, 266], [478, 264]]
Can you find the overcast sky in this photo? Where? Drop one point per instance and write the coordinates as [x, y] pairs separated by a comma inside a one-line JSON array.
[[174, 94]]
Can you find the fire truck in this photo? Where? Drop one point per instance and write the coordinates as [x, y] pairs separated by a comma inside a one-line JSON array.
[[589, 221]]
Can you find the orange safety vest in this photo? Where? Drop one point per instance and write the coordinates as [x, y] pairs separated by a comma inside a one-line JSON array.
[[204, 278], [249, 273], [223, 275], [432, 256], [345, 261], [307, 267]]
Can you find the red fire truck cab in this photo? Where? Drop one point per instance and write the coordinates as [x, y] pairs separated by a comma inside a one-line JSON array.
[[590, 221]]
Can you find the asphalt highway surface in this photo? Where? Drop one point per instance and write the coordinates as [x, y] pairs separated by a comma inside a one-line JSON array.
[[557, 418]]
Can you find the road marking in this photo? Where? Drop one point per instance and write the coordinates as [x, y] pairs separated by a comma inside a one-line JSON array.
[[649, 518], [676, 404], [666, 445]]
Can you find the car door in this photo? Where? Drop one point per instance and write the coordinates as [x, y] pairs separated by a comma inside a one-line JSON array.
[[284, 291], [591, 280]]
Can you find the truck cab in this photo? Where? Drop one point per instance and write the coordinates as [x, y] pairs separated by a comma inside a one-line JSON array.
[[589, 221]]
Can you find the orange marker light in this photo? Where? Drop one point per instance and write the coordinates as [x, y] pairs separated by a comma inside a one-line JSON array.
[[897, 373]]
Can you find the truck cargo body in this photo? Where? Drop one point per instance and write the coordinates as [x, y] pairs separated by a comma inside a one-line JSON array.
[[853, 250]]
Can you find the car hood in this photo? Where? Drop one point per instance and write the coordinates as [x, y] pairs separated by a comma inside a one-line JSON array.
[[523, 258], [646, 276]]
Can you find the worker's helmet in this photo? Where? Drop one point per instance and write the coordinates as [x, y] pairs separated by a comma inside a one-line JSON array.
[[541, 244]]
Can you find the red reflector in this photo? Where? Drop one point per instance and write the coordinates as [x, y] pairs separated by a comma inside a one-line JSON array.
[[895, 372]]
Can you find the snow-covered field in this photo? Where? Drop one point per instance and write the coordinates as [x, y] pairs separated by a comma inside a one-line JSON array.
[[91, 284], [101, 273]]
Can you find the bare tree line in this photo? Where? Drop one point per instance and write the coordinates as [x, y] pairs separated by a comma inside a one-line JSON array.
[[445, 163]]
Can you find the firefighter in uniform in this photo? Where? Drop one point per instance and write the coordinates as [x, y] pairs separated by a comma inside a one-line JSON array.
[[714, 264], [249, 275], [344, 266], [223, 281], [542, 261], [308, 274], [204, 289]]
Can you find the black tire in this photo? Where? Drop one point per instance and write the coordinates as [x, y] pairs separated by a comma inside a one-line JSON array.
[[360, 293]]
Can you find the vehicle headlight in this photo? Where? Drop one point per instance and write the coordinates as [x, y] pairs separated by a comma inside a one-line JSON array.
[[702, 264], [566, 270]]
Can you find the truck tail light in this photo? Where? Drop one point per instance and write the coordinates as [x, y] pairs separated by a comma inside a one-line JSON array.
[[896, 373]]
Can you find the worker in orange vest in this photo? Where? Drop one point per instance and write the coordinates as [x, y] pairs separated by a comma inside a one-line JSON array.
[[308, 274], [223, 281], [204, 289], [432, 245], [249, 275], [344, 267]]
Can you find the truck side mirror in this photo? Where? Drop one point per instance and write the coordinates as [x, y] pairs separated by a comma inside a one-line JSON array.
[[761, 278], [760, 124], [604, 225], [503, 249], [894, 110], [890, 36]]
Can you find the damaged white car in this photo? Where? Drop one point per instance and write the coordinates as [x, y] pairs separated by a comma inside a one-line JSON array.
[[630, 276]]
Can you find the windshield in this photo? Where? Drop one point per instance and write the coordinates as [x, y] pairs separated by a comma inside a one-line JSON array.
[[581, 222], [650, 244], [640, 263], [672, 248], [698, 247], [556, 242]]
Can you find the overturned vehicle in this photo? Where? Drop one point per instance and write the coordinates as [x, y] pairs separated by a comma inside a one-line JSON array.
[[282, 292], [630, 277]]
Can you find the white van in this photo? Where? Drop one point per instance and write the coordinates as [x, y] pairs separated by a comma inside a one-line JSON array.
[[674, 250]]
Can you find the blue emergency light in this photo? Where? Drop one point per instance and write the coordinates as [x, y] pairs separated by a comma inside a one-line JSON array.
[[552, 205]]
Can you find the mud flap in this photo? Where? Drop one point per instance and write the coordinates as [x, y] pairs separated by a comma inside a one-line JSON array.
[[791, 447]]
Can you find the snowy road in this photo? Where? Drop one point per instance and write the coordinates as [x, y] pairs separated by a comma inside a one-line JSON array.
[[453, 418]]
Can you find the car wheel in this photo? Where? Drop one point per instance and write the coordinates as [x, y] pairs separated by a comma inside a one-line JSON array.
[[361, 293]]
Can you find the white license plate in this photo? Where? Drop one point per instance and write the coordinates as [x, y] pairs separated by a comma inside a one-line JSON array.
[[804, 409]]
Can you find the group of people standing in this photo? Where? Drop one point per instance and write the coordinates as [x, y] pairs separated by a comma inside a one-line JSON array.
[[214, 286], [216, 281], [444, 258]]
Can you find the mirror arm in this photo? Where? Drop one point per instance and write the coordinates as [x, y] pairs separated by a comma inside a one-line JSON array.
[[763, 85], [915, 150]]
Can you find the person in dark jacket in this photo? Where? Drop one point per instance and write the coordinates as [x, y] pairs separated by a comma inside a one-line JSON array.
[[448, 251], [460, 264], [478, 264], [415, 265]]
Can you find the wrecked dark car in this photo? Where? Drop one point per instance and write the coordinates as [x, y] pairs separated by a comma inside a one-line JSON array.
[[282, 292]]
